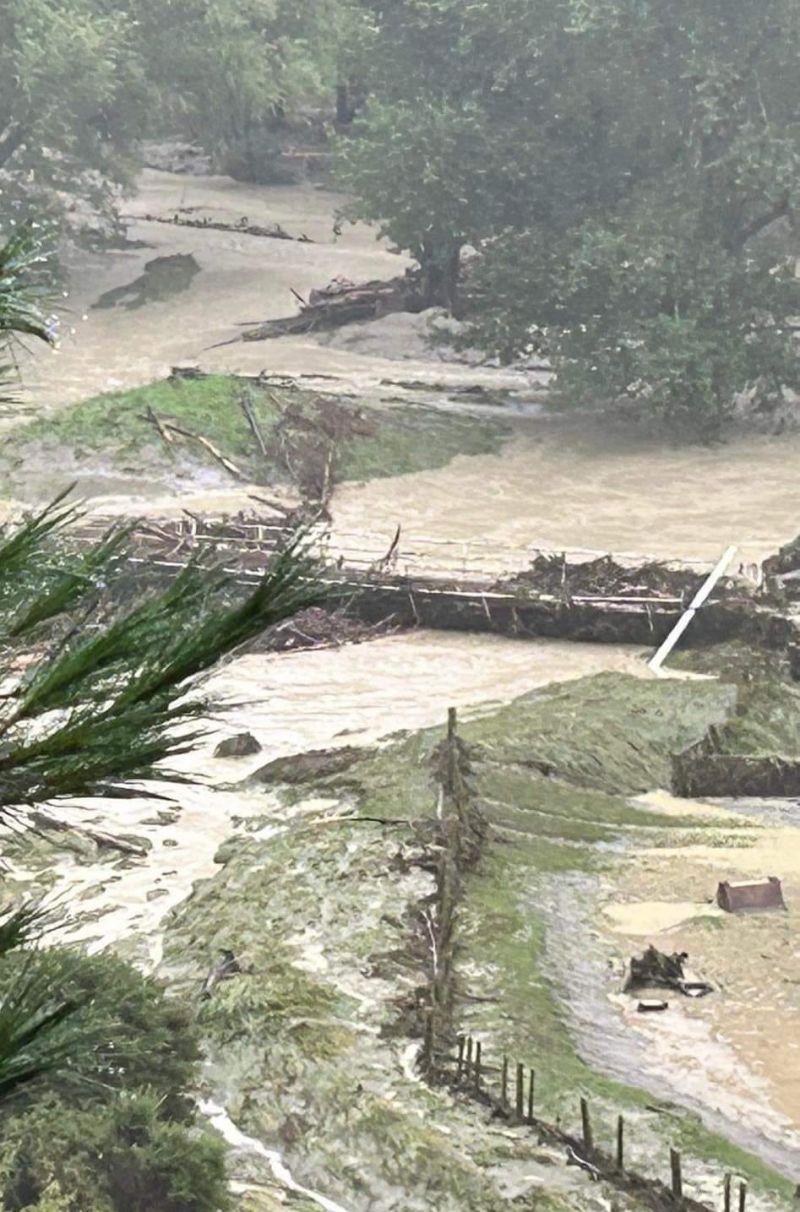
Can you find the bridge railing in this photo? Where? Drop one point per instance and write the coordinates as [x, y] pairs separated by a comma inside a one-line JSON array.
[[477, 559]]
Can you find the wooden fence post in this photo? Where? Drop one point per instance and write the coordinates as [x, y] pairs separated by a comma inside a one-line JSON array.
[[588, 1142], [478, 1065], [726, 1192], [461, 1046], [429, 1037], [620, 1142], [520, 1092], [677, 1178], [468, 1066], [742, 1196], [504, 1084], [531, 1088], [452, 722]]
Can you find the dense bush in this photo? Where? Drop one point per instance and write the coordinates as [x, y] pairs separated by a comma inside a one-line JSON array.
[[113, 1130]]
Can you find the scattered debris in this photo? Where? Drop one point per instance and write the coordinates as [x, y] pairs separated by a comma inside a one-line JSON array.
[[242, 745], [651, 1006], [166, 428], [105, 841], [656, 970], [750, 896], [243, 226], [574, 1159], [319, 627]]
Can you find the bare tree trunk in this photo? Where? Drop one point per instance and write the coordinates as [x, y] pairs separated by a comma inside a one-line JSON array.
[[344, 110], [441, 269]]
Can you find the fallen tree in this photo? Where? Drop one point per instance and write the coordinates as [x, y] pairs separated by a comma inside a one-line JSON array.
[[343, 302]]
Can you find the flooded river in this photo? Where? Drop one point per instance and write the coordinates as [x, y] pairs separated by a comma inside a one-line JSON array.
[[292, 703], [556, 484]]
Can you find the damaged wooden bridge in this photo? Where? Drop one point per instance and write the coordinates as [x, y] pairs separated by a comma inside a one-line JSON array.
[[532, 592]]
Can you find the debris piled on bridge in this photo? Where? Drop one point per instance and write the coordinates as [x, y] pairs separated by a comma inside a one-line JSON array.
[[604, 579]]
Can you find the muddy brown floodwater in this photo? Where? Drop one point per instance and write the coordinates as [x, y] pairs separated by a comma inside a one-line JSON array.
[[734, 1053], [295, 702], [557, 484]]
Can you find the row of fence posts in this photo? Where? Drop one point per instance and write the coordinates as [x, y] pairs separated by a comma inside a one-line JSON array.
[[471, 1071]]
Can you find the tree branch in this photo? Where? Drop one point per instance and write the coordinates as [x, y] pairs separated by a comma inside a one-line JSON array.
[[11, 141], [751, 229]]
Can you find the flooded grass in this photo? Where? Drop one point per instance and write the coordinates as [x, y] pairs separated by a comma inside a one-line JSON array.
[[112, 433], [611, 733], [319, 914]]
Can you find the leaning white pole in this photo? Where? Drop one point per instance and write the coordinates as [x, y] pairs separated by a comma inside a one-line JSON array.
[[697, 601]]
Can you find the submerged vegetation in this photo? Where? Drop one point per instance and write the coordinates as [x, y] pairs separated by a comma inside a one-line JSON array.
[[314, 910]]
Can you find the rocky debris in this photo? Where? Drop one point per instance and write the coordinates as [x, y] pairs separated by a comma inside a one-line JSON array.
[[242, 745], [307, 767]]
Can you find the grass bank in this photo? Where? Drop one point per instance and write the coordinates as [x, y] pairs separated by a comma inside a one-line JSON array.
[[306, 1047], [300, 433]]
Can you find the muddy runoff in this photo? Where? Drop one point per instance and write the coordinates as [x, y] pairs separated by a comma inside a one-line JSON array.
[[320, 894]]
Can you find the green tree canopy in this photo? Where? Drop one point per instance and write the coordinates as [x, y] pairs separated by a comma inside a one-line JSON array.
[[83, 82], [73, 100], [622, 164]]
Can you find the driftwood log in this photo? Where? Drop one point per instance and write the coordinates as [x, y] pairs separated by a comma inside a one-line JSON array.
[[106, 841], [342, 302]]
